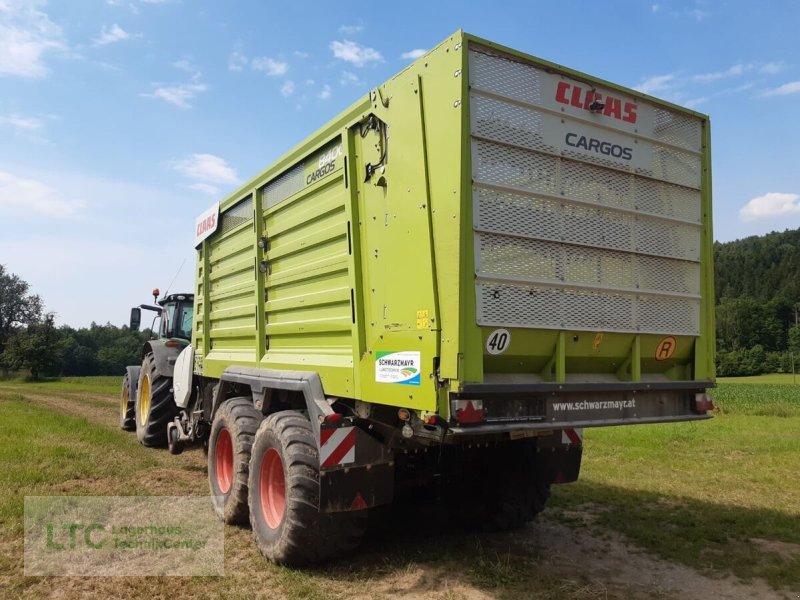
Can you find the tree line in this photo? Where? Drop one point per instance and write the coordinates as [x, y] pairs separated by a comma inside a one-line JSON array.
[[757, 283], [30, 340]]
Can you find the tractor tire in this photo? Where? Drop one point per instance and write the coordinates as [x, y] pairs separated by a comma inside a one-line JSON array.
[[155, 405], [127, 401], [229, 445], [284, 497]]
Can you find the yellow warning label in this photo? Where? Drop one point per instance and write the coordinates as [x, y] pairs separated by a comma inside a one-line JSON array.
[[422, 319], [666, 348], [598, 339]]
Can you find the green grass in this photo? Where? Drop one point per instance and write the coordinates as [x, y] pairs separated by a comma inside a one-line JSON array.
[[105, 384], [767, 399], [781, 378], [702, 493]]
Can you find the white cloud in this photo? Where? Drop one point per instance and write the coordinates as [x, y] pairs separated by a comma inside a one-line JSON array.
[[187, 67], [696, 102], [771, 68], [355, 53], [301, 54], [659, 83], [734, 71], [111, 35], [270, 66], [206, 188], [26, 36], [325, 93], [351, 29], [22, 197], [349, 78], [773, 204], [237, 61], [21, 122], [413, 54], [793, 87], [287, 89], [179, 95], [206, 168]]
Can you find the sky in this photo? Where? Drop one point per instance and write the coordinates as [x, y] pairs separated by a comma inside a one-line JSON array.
[[122, 120]]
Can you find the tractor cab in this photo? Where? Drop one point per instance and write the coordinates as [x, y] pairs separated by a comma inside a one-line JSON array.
[[176, 312]]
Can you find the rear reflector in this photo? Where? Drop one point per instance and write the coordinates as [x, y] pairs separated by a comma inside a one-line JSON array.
[[469, 411]]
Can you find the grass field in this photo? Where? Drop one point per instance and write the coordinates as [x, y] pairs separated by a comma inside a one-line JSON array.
[[720, 498]]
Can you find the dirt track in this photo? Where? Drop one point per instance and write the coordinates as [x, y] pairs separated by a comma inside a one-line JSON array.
[[585, 562]]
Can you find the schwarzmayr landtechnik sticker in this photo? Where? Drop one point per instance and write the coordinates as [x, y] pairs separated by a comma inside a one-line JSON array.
[[397, 367]]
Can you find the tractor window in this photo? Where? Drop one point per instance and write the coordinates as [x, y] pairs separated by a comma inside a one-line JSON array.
[[185, 325], [168, 320]]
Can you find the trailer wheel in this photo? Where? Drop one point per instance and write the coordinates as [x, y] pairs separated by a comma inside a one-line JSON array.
[[284, 497], [154, 406], [127, 410], [229, 444]]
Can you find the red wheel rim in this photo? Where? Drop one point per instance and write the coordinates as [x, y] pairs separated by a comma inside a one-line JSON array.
[[272, 486], [223, 456]]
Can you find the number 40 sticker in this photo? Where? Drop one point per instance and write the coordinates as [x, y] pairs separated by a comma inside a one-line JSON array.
[[498, 341]]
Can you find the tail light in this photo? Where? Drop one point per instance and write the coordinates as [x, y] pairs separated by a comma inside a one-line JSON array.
[[702, 403], [469, 411]]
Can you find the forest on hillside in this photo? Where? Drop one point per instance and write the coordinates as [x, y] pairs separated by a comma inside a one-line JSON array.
[[757, 281]]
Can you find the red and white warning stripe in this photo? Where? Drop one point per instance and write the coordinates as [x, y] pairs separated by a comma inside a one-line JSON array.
[[337, 446], [572, 436]]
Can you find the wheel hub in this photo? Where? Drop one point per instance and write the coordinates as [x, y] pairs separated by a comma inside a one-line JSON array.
[[223, 456], [273, 488]]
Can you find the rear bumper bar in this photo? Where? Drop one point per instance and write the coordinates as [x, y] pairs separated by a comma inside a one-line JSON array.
[[548, 406]]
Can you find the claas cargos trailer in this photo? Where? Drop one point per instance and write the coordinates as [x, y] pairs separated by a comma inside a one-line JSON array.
[[444, 286]]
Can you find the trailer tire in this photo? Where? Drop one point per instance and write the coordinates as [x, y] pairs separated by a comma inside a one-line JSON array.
[[229, 445], [127, 401], [155, 405], [284, 497]]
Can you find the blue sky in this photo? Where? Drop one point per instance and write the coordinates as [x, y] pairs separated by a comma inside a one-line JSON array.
[[122, 120]]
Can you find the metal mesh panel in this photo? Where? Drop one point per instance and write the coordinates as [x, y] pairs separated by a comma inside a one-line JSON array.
[[568, 239], [519, 126], [565, 308], [513, 79], [505, 77], [550, 219], [506, 166], [239, 213], [288, 183], [507, 258], [680, 130]]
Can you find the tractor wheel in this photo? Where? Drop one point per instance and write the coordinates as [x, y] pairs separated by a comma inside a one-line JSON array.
[[284, 497], [155, 405], [229, 444], [127, 412]]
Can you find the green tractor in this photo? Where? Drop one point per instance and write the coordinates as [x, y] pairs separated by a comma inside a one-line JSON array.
[[147, 404]]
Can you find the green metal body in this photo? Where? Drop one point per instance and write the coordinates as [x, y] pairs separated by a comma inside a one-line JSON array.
[[354, 267]]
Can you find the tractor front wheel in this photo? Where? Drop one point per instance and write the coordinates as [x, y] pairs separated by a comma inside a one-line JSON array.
[[154, 406], [284, 497]]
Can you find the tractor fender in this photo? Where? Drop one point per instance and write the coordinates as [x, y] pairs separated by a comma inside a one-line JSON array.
[[164, 356]]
